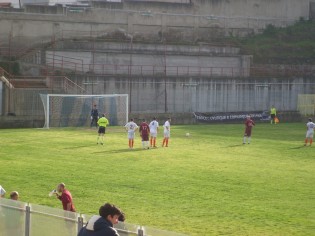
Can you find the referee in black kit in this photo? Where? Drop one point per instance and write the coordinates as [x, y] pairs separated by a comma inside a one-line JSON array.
[[94, 116]]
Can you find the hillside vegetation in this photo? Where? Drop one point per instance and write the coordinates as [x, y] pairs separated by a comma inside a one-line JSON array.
[[291, 45]]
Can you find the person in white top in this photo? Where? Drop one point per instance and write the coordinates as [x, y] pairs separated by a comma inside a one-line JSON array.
[[2, 192], [167, 132], [310, 126], [131, 127], [154, 126]]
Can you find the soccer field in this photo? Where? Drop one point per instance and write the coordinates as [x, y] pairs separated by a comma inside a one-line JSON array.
[[205, 184]]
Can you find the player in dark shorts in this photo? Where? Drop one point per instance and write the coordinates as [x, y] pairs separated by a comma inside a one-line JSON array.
[[94, 116], [102, 123], [144, 133], [273, 115], [249, 123]]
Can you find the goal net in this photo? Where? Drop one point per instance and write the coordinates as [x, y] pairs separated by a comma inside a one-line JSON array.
[[65, 110]]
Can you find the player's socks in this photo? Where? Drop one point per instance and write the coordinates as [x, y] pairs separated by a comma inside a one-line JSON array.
[[143, 144], [151, 141], [163, 142], [244, 140], [132, 141], [129, 143], [305, 142], [311, 141], [154, 142], [166, 143], [248, 140]]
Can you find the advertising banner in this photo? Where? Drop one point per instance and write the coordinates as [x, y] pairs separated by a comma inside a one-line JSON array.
[[230, 117]]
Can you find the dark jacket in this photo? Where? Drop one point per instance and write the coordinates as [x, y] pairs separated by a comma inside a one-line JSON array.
[[98, 226]]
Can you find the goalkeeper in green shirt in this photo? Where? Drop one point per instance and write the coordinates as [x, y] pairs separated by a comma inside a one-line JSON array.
[[102, 123]]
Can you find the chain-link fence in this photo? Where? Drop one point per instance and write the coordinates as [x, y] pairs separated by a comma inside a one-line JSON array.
[[179, 95], [25, 219], [306, 104]]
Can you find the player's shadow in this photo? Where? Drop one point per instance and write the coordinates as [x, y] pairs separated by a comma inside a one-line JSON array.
[[236, 145], [77, 147], [121, 151], [298, 147]]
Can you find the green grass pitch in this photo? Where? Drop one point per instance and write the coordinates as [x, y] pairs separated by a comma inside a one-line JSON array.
[[205, 184]]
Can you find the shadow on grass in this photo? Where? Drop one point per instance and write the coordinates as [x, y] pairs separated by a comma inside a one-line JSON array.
[[236, 145], [122, 151], [298, 147], [83, 146]]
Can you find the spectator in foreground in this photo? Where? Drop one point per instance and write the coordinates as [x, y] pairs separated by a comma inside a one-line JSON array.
[[2, 192], [102, 225], [14, 195], [65, 197]]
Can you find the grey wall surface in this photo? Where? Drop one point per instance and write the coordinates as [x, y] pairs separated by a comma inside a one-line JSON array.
[[148, 95], [145, 64], [200, 21], [177, 97]]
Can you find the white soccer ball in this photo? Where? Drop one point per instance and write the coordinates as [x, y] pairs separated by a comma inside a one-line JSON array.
[[187, 134]]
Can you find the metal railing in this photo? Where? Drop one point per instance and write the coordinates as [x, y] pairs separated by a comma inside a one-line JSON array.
[[64, 65], [26, 219], [50, 82]]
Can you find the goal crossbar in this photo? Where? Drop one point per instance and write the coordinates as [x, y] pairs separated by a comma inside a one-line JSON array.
[[46, 102]]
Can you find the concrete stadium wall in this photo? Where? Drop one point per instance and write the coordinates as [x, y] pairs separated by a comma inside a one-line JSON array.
[[178, 95], [176, 64], [200, 21], [184, 95]]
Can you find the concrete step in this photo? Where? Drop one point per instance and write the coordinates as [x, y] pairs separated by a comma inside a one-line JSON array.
[[28, 83], [147, 48]]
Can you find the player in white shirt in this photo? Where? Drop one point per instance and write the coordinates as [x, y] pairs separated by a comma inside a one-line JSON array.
[[2, 192], [167, 132], [154, 126], [131, 128], [310, 126]]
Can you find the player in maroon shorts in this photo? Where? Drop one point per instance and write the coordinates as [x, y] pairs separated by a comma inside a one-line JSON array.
[[144, 133], [249, 123]]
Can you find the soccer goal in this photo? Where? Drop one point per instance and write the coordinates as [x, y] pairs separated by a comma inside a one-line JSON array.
[[67, 110]]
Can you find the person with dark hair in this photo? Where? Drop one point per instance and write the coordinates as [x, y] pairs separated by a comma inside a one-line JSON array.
[[94, 116], [144, 133], [14, 195], [102, 225], [102, 124]]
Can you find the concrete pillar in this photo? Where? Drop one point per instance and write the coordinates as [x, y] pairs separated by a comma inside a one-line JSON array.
[[1, 97], [130, 23]]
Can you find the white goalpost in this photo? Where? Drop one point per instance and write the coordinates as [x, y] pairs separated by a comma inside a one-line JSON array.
[[69, 110]]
